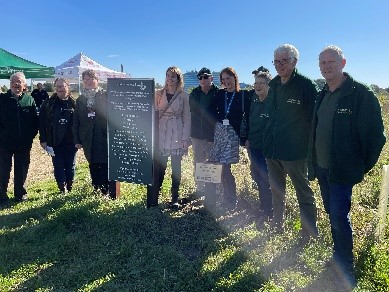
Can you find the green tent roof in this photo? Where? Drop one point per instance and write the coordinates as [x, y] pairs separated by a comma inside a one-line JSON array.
[[10, 63]]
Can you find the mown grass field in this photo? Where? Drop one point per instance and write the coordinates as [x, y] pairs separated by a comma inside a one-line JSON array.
[[82, 241]]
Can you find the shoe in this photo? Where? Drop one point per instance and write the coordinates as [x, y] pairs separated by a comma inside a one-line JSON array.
[[183, 201], [304, 237], [21, 199], [276, 227], [61, 187], [174, 205], [69, 185], [4, 203]]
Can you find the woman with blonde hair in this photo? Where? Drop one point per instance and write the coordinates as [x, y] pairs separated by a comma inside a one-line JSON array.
[[172, 104], [55, 129]]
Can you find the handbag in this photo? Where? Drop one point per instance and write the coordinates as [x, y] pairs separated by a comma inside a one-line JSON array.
[[244, 124]]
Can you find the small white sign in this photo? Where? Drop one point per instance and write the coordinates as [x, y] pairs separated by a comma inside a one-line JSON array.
[[208, 172]]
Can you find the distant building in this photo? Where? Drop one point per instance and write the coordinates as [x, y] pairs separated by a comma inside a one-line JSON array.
[[190, 79], [245, 85]]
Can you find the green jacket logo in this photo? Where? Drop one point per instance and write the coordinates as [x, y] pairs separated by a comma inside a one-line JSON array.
[[344, 111]]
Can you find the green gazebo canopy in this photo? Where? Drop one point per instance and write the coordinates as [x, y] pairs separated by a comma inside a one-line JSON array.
[[10, 63]]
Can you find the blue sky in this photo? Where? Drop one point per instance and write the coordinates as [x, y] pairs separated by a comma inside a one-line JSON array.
[[147, 36]]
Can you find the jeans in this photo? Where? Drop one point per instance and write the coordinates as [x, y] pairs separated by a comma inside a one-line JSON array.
[[64, 163], [297, 171], [229, 186], [21, 165], [260, 175], [337, 203]]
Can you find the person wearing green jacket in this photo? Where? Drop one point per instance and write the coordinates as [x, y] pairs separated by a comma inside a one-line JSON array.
[[291, 100], [346, 139], [18, 127], [258, 118]]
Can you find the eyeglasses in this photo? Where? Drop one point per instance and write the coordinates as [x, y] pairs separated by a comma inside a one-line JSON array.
[[260, 83], [203, 77], [280, 62], [87, 79], [327, 63]]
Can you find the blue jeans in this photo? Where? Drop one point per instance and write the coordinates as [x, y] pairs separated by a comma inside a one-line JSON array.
[[260, 175], [337, 203], [64, 162]]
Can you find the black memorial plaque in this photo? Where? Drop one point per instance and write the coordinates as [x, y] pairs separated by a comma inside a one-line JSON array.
[[130, 130]]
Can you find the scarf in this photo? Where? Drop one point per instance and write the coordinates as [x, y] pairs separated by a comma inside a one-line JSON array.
[[90, 95]]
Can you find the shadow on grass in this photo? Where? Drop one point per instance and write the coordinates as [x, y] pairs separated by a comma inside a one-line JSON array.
[[83, 241]]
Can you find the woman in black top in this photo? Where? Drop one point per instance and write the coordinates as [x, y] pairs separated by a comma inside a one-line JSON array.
[[55, 129]]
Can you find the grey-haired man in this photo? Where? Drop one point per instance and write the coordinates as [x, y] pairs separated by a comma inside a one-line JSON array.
[[18, 127]]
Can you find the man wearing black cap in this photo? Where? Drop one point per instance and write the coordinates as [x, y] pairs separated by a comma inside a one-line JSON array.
[[260, 69], [202, 125]]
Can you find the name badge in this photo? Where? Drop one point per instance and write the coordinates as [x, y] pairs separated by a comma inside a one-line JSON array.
[[91, 114], [226, 122]]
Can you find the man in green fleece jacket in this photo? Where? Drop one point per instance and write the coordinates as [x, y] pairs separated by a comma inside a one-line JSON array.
[[346, 139], [18, 127], [291, 100]]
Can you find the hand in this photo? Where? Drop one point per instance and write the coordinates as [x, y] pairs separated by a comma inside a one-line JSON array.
[[78, 146], [44, 145]]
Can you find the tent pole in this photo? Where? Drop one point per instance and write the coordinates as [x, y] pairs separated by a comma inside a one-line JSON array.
[[79, 85]]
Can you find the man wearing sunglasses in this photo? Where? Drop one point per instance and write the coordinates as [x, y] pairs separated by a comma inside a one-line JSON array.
[[202, 126]]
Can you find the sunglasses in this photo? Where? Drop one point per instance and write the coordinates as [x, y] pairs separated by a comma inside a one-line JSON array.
[[203, 77]]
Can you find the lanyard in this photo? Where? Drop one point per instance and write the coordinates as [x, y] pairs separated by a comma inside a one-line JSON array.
[[227, 108]]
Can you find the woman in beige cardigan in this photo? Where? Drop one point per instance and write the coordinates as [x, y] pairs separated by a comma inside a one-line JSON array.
[[172, 104]]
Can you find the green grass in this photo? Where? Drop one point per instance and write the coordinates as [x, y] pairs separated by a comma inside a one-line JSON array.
[[84, 242]]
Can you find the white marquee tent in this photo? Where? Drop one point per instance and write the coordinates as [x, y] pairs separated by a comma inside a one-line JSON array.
[[73, 68]]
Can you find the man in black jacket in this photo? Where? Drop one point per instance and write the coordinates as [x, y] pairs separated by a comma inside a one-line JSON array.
[[39, 95], [202, 125], [18, 127]]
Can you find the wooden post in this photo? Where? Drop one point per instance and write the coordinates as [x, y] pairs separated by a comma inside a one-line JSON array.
[[114, 189], [383, 202], [153, 190]]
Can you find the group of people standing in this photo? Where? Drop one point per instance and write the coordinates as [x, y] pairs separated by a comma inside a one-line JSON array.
[[294, 129], [64, 127], [289, 126]]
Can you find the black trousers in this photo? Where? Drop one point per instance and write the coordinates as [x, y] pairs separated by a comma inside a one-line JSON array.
[[21, 163], [176, 170], [99, 176]]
